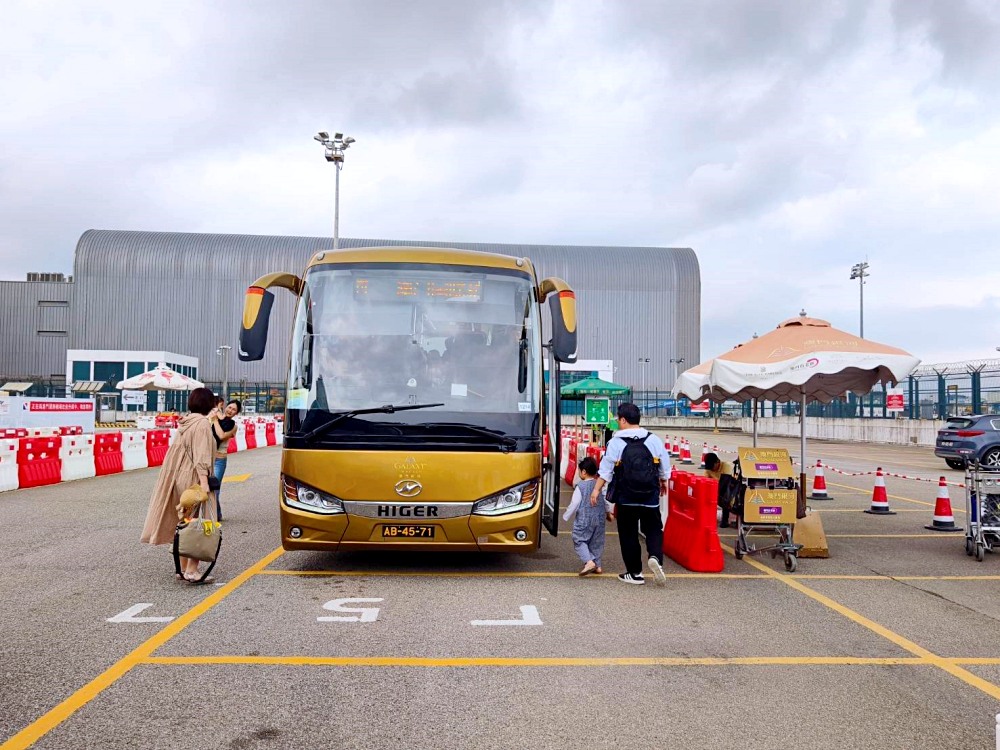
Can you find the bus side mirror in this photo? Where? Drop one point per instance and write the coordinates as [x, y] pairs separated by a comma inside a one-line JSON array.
[[257, 312], [256, 317], [562, 309]]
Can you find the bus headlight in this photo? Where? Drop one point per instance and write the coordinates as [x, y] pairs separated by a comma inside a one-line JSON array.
[[304, 497], [517, 498]]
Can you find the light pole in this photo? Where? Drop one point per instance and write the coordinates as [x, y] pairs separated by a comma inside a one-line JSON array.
[[223, 351], [859, 272], [644, 361], [675, 362], [334, 151]]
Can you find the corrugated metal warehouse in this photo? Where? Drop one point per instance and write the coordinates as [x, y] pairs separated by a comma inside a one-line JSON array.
[[34, 331], [183, 293]]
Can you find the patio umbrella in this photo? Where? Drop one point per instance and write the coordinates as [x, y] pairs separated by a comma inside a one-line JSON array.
[[160, 378], [691, 383], [805, 359]]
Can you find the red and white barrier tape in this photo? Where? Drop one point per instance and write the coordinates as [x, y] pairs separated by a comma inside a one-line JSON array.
[[827, 467]]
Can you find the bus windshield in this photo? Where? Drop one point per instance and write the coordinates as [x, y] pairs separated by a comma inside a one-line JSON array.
[[463, 341]]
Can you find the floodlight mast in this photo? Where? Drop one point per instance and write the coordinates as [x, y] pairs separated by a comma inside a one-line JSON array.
[[859, 271], [334, 152]]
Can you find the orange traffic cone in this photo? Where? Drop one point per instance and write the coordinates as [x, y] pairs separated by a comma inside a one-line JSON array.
[[943, 518], [686, 452], [704, 452], [880, 500], [819, 483], [675, 450]]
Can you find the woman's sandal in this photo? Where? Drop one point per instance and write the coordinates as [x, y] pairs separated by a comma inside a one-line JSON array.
[[589, 568], [196, 579]]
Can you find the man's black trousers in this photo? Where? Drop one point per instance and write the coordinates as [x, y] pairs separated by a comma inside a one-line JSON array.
[[630, 519]]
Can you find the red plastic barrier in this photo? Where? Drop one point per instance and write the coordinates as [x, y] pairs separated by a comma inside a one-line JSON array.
[[166, 421], [38, 461], [691, 537], [11, 433], [571, 462], [72, 430], [108, 457], [231, 448], [270, 436], [251, 435], [157, 444]]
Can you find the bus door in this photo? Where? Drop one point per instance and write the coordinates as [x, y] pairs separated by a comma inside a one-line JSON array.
[[550, 465]]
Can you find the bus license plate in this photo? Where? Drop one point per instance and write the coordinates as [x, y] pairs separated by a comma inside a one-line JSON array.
[[408, 532]]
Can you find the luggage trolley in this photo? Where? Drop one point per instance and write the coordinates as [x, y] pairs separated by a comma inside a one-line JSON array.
[[768, 503], [982, 509]]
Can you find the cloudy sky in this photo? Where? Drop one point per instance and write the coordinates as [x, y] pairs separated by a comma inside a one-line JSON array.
[[782, 141]]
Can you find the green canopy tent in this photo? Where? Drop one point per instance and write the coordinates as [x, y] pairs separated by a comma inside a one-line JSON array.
[[592, 387], [579, 391]]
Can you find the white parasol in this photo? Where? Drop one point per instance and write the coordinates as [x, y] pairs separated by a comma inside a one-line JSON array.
[[160, 378]]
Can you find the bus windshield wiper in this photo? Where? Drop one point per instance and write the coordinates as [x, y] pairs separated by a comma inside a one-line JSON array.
[[503, 438], [340, 415]]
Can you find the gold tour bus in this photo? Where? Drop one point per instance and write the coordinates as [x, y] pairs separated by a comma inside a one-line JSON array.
[[416, 413]]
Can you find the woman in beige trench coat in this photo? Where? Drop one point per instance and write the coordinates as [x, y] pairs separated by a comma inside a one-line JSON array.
[[188, 462]]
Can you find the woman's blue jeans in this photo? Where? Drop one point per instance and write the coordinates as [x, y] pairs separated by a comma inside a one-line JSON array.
[[220, 472]]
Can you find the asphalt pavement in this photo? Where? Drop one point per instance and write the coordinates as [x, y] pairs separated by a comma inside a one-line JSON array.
[[889, 643]]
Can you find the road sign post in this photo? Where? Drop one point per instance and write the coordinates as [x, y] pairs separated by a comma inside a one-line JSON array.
[[595, 410]]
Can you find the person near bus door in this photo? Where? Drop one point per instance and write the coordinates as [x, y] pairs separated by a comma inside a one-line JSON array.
[[637, 465]]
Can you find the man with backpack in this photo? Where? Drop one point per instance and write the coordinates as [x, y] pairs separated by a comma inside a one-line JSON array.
[[637, 465]]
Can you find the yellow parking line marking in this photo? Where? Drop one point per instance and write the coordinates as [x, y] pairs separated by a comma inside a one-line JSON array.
[[552, 661], [236, 478], [938, 535], [975, 660], [483, 574], [832, 577], [904, 643], [57, 715], [822, 509]]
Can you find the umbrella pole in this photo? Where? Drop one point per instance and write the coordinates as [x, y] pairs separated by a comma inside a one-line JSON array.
[[802, 459], [755, 402]]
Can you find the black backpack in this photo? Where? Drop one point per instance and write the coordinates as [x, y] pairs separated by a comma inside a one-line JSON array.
[[637, 473]]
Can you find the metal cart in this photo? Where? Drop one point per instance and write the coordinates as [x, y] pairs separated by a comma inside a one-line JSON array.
[[767, 504], [982, 509]]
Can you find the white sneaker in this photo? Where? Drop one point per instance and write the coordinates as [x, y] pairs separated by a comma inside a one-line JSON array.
[[659, 577], [637, 580]]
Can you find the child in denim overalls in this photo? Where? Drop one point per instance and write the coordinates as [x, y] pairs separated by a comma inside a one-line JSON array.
[[588, 526]]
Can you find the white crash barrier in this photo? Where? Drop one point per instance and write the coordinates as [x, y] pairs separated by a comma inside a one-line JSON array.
[[77, 456], [241, 437], [76, 452], [134, 451], [563, 456], [8, 465]]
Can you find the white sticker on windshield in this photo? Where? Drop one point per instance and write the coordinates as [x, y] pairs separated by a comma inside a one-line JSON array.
[[298, 398], [459, 389], [524, 406]]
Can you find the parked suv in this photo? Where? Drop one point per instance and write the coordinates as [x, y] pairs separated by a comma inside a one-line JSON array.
[[974, 437]]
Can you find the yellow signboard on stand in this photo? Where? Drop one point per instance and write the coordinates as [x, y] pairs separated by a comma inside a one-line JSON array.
[[765, 463], [769, 506]]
